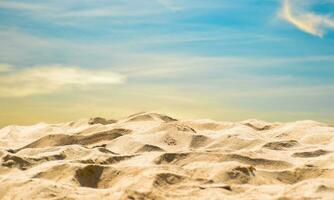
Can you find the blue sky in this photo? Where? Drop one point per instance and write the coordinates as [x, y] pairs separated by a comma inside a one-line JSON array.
[[227, 60]]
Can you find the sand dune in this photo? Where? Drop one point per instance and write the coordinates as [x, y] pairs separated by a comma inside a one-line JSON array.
[[154, 156]]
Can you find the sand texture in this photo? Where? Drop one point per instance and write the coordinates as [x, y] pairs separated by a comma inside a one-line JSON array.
[[153, 156]]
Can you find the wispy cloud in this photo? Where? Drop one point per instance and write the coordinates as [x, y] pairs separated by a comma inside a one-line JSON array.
[[106, 12], [153, 66], [170, 5], [307, 21], [56, 10], [100, 12], [48, 79], [89, 9], [12, 5]]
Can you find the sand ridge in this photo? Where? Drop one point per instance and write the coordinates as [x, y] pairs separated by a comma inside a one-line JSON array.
[[154, 156]]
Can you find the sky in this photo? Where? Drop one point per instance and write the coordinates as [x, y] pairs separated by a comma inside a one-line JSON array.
[[62, 60]]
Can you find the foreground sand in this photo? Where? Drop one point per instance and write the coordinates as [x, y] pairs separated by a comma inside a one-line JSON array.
[[152, 156]]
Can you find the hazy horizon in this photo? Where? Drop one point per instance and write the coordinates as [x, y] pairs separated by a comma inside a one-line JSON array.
[[225, 60]]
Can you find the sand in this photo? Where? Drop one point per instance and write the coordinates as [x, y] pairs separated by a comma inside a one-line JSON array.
[[153, 156]]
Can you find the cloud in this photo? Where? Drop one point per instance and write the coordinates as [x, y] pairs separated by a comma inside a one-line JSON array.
[[88, 9], [154, 66], [55, 11], [49, 79], [12, 5], [106, 12], [170, 5], [306, 21]]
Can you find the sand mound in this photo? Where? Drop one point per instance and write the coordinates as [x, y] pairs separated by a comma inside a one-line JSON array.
[[100, 120], [154, 156]]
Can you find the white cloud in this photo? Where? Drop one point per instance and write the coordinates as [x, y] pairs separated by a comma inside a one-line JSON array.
[[57, 10], [48, 79], [116, 11], [307, 21], [51, 10], [153, 66], [12, 5], [170, 5]]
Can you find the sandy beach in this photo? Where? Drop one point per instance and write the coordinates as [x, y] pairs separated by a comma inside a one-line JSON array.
[[154, 156]]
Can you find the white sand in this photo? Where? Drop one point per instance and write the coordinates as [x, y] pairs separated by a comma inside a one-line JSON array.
[[152, 156]]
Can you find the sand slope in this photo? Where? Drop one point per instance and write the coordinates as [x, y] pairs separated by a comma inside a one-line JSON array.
[[153, 156]]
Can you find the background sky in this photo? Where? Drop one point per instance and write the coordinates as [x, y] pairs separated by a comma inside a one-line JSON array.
[[62, 60]]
